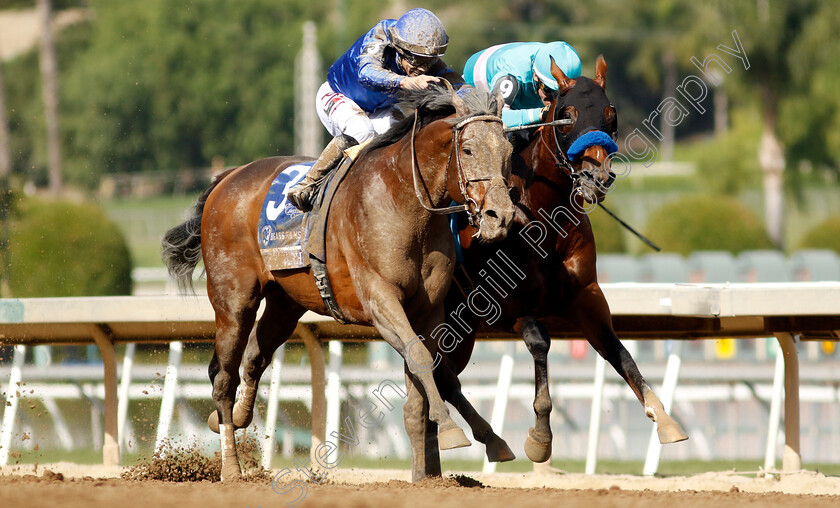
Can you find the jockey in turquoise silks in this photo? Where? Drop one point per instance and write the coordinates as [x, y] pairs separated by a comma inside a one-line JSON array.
[[521, 72], [359, 97]]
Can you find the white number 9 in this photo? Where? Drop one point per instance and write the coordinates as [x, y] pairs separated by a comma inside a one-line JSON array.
[[506, 87]]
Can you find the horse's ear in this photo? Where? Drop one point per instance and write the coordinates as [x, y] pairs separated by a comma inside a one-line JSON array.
[[500, 103], [461, 108], [563, 82], [601, 72]]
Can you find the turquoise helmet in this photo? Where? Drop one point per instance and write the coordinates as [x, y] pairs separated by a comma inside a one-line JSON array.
[[419, 32], [564, 56]]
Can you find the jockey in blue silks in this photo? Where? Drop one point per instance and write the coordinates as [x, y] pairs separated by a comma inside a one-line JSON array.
[[359, 98], [521, 72]]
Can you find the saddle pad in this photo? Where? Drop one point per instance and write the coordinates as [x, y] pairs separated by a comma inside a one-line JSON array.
[[281, 224]]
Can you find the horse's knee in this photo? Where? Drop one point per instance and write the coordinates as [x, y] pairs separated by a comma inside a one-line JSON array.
[[536, 338]]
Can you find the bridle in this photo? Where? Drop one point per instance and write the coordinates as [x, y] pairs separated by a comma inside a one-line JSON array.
[[472, 208], [561, 160]]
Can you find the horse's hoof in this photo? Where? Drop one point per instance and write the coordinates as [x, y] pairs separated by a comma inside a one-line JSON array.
[[499, 451], [452, 438], [670, 432], [243, 409], [213, 421], [537, 446], [241, 419]]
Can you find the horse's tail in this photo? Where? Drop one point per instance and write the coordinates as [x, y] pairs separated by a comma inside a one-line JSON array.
[[181, 245]]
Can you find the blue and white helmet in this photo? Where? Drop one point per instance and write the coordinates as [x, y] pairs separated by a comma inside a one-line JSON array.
[[565, 57], [419, 32]]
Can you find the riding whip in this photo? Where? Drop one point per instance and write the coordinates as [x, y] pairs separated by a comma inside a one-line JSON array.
[[629, 228]]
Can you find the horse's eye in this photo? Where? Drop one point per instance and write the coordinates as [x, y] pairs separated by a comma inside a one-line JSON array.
[[611, 118], [570, 113]]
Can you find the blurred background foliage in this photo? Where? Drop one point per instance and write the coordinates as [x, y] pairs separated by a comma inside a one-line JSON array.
[[66, 249], [823, 235], [704, 222], [168, 86], [164, 85]]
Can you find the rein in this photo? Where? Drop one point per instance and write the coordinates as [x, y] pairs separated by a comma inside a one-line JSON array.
[[463, 181], [562, 121], [564, 163]]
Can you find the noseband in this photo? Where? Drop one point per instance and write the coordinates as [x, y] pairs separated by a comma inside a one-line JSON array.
[[561, 160], [472, 208]]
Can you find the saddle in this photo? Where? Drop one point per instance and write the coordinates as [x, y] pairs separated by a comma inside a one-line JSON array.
[[292, 239]]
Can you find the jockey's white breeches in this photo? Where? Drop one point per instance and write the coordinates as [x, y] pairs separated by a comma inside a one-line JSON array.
[[340, 115]]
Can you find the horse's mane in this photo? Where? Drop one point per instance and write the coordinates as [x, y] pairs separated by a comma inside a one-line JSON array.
[[430, 105]]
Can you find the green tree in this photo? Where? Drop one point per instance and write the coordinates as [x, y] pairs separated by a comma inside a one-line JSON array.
[[825, 235], [166, 85], [810, 112], [706, 223], [777, 38], [65, 249], [609, 235]]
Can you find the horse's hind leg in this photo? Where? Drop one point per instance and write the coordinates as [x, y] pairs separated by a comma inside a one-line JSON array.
[[277, 323], [592, 315], [235, 316], [536, 337]]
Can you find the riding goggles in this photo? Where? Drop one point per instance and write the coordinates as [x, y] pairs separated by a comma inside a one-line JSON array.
[[550, 94], [419, 62]]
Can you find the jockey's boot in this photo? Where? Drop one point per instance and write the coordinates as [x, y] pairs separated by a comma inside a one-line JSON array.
[[301, 195]]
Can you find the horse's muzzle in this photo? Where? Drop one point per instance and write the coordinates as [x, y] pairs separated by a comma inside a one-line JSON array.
[[495, 216], [594, 186]]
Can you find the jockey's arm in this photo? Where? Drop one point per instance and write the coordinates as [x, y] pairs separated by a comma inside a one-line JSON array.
[[517, 117], [374, 74], [508, 86], [372, 71]]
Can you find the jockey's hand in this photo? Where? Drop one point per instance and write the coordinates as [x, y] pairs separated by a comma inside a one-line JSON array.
[[420, 82], [544, 113]]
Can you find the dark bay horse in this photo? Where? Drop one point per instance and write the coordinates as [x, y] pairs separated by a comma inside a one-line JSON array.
[[549, 256], [389, 258]]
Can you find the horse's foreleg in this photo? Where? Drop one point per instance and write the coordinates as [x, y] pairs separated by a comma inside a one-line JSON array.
[[538, 442], [422, 436], [392, 323], [593, 317], [496, 448]]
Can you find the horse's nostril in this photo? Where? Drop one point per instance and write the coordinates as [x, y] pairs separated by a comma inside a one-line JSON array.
[[491, 213]]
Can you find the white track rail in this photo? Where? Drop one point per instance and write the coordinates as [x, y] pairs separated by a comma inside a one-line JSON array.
[[653, 311]]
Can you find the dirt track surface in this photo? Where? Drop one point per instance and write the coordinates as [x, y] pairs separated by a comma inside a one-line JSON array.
[[85, 487]]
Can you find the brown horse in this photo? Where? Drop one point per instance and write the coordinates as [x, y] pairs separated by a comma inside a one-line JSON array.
[[545, 268], [389, 258]]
